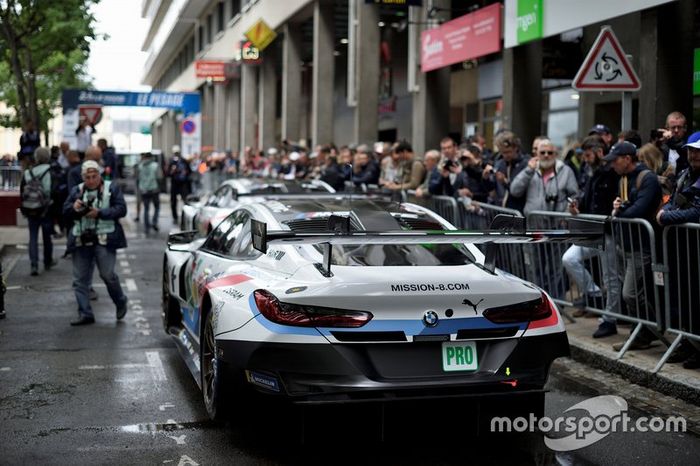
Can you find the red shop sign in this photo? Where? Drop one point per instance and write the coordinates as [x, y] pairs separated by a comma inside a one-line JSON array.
[[210, 69], [469, 36]]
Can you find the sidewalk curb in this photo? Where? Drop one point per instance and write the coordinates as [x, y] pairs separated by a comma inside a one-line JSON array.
[[635, 372]]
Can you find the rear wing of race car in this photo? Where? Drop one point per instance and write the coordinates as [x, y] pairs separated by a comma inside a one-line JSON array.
[[592, 234]]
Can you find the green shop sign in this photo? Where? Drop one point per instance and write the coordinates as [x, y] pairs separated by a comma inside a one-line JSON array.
[[696, 73], [529, 20]]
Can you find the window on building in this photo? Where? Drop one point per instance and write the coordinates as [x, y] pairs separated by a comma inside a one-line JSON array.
[[220, 17], [210, 25], [561, 116], [235, 7], [200, 37]]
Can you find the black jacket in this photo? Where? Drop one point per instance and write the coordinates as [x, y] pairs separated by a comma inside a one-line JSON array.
[[685, 200], [600, 187]]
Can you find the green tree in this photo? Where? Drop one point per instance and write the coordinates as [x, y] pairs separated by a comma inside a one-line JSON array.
[[44, 47]]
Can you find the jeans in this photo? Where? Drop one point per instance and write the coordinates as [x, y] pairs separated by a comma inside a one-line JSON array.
[[148, 198], [574, 262], [46, 225], [638, 285], [84, 259]]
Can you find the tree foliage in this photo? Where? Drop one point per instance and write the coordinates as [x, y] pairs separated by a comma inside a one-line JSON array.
[[44, 47]]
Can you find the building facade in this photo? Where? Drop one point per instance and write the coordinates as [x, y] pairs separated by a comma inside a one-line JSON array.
[[354, 71]]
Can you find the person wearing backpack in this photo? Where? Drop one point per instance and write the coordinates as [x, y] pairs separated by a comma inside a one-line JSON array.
[[35, 194], [149, 174]]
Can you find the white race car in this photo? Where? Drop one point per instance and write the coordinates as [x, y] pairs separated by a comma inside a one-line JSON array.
[[205, 215], [348, 300]]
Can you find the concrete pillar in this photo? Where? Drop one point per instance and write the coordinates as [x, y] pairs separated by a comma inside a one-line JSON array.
[[291, 81], [323, 73], [219, 121], [267, 101], [431, 104], [233, 115], [207, 117], [367, 73], [249, 117], [666, 66], [522, 91]]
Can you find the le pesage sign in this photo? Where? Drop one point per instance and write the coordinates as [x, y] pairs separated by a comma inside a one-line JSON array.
[[187, 102], [470, 36]]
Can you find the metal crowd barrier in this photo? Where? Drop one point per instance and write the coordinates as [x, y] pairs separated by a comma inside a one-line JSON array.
[[10, 178], [444, 206], [681, 253], [478, 216]]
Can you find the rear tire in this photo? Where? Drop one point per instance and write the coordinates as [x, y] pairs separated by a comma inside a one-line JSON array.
[[217, 382], [170, 308]]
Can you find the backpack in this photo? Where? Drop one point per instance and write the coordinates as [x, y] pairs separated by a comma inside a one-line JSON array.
[[35, 201]]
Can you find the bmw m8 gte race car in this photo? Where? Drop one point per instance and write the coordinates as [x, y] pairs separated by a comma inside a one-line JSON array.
[[369, 300], [205, 215]]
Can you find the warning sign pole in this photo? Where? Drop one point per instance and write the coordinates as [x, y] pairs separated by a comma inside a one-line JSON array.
[[626, 122]]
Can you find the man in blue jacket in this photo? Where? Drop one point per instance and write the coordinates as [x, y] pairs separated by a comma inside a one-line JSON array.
[[95, 207], [639, 198]]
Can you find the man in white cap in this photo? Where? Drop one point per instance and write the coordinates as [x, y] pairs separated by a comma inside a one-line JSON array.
[[95, 207], [179, 172]]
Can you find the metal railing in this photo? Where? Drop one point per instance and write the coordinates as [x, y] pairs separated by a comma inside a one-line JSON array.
[[478, 216], [10, 178], [681, 250]]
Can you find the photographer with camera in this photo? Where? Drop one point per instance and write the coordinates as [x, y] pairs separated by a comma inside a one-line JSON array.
[[671, 140], [510, 162], [95, 207], [476, 180], [546, 182]]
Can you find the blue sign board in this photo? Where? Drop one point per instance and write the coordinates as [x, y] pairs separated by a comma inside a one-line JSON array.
[[187, 102]]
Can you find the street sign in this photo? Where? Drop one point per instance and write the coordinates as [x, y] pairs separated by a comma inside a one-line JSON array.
[[260, 34], [606, 67], [188, 126], [92, 113]]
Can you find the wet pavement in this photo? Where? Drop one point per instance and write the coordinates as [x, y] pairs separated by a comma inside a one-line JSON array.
[[119, 393]]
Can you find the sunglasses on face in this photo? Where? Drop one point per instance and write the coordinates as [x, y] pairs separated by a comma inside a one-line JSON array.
[[546, 152]]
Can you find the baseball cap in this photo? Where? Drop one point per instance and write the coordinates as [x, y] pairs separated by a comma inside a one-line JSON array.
[[176, 148], [294, 156], [89, 165], [694, 140], [621, 148], [599, 129]]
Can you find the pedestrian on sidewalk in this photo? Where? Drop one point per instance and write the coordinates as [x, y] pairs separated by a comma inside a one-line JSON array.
[[179, 173], [95, 207], [149, 176], [35, 193]]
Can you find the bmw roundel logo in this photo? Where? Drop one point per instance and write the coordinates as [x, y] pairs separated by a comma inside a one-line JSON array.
[[430, 318]]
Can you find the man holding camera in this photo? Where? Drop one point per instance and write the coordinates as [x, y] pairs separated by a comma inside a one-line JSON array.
[[95, 207], [671, 141]]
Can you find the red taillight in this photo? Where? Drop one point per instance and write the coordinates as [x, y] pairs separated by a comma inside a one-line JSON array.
[[306, 316], [536, 309]]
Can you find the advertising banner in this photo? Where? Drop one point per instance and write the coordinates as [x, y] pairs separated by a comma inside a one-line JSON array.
[[469, 36]]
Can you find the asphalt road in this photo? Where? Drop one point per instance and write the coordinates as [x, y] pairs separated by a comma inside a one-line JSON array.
[[118, 393]]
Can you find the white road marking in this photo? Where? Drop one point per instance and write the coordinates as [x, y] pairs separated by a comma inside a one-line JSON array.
[[124, 263], [186, 460], [180, 440], [156, 366], [112, 366], [5, 369], [126, 271], [131, 284], [166, 405], [13, 287], [140, 319]]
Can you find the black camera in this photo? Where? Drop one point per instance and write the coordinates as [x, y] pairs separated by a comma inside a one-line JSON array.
[[551, 198], [447, 164], [86, 207], [655, 134], [88, 238], [624, 205]]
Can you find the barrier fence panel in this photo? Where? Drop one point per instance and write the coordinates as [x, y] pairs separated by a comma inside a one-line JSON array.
[[444, 206], [478, 216], [681, 253], [10, 178]]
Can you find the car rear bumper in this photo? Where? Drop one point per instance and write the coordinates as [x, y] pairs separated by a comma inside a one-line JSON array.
[[341, 373]]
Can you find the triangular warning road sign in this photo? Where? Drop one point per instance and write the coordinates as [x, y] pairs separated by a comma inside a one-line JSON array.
[[606, 67], [92, 113]]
